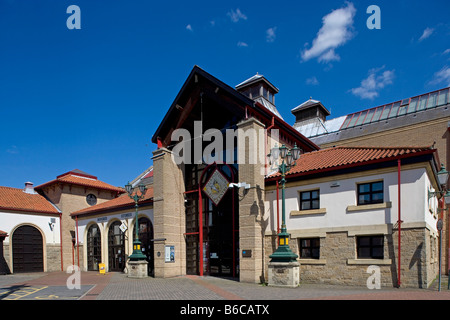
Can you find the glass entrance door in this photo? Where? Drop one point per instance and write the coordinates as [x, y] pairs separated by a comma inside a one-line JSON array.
[[116, 247]]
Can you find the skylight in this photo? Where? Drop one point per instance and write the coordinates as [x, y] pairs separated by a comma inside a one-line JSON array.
[[399, 108]]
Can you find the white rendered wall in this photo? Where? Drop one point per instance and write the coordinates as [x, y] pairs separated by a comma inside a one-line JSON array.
[[336, 200], [11, 221]]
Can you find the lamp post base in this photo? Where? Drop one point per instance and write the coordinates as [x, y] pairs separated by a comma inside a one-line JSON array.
[[137, 269], [284, 274]]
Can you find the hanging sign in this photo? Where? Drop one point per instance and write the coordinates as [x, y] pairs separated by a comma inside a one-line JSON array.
[[123, 227], [216, 187]]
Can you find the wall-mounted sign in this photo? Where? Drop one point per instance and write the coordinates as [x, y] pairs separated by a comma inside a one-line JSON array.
[[169, 254], [126, 215], [102, 219], [246, 253]]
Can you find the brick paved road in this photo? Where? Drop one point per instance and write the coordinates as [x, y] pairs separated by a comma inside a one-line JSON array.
[[116, 286]]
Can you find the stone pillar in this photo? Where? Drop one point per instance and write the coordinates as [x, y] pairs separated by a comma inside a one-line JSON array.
[[284, 274], [137, 269], [251, 164], [169, 214]]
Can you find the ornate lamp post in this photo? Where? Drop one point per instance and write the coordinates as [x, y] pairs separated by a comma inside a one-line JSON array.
[[288, 158], [445, 197], [137, 254]]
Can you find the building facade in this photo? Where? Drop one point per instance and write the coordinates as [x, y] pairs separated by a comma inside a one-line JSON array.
[[422, 120], [343, 208], [106, 231], [212, 201], [39, 223]]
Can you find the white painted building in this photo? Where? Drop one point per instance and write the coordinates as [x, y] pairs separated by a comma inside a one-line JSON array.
[[34, 229], [335, 204]]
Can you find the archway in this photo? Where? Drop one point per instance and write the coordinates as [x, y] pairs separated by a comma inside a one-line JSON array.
[[116, 247], [94, 248], [27, 250]]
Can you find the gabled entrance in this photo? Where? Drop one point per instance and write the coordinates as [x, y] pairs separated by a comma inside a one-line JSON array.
[[218, 238]]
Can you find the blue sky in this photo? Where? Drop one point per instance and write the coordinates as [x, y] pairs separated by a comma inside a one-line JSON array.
[[91, 98]]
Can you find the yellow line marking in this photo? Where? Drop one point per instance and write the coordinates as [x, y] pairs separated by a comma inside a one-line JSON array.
[[24, 293]]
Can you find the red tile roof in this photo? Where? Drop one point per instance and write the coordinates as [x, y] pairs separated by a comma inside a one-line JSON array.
[[3, 233], [14, 199], [81, 179], [344, 157], [116, 203]]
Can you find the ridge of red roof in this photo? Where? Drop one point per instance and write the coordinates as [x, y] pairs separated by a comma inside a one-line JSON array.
[[335, 158], [116, 203], [85, 180], [14, 199]]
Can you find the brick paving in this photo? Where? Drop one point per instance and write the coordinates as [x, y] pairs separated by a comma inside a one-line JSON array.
[[117, 286]]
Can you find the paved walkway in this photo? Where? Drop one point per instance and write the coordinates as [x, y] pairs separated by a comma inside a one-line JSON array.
[[117, 286]]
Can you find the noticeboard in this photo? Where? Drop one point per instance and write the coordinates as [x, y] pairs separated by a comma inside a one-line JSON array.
[[169, 254]]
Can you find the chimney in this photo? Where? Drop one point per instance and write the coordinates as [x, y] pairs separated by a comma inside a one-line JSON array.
[[29, 188]]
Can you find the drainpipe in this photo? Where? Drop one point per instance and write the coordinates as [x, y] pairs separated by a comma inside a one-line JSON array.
[[78, 246], [399, 224], [441, 206], [60, 240], [200, 228]]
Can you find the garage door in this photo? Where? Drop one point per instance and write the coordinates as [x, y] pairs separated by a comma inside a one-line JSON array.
[[27, 250]]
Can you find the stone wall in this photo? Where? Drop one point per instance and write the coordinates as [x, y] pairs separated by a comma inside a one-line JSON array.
[[338, 263]]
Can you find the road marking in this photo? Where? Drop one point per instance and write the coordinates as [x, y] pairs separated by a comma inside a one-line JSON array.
[[21, 293]]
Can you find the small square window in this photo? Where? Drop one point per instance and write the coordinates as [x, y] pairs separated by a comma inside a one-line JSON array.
[[370, 193], [370, 247], [310, 248], [309, 200]]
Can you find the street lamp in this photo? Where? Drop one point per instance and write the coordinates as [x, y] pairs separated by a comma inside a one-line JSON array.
[[442, 176], [288, 158], [445, 197], [133, 194]]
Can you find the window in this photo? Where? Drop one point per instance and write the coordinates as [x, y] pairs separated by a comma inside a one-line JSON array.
[[310, 248], [255, 91], [309, 200], [91, 199], [432, 100], [442, 97], [370, 193], [370, 247]]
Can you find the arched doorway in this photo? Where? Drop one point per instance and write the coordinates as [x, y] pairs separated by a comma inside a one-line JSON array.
[[94, 248], [116, 247], [146, 237], [27, 250]]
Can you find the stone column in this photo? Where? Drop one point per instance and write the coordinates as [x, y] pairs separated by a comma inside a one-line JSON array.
[[169, 214], [251, 206]]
